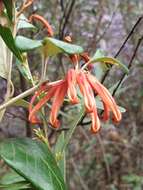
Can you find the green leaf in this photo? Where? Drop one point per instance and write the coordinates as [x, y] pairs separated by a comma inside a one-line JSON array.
[[52, 46], [21, 102], [109, 60], [34, 161], [26, 44], [9, 8], [16, 186], [24, 68], [24, 23], [99, 53], [7, 37], [49, 46], [11, 177], [72, 128], [60, 156]]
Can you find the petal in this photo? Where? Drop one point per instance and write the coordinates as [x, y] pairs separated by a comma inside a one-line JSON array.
[[106, 113], [71, 92], [105, 96], [57, 102], [47, 88], [49, 95], [37, 93], [95, 121], [86, 91], [33, 119]]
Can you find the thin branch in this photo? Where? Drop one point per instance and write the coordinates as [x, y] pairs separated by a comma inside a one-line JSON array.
[[106, 28], [104, 156], [20, 96], [123, 44], [82, 182], [129, 66], [62, 5], [67, 16], [129, 35]]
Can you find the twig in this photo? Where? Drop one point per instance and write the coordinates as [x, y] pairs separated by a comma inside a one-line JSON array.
[[106, 28], [67, 16], [129, 35], [129, 66], [104, 156], [20, 96], [124, 43], [62, 5], [82, 182]]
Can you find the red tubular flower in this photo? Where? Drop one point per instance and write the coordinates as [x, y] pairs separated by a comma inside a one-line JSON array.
[[86, 91], [50, 91], [44, 22], [32, 118], [71, 92], [57, 102], [109, 102], [106, 113], [32, 113], [88, 84], [95, 126]]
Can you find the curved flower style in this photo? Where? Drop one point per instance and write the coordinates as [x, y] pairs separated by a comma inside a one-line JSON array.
[[88, 85], [44, 22]]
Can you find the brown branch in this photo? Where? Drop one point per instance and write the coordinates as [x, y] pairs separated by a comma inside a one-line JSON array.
[[123, 44], [129, 66], [66, 17]]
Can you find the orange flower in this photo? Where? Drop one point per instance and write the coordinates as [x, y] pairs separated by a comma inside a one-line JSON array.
[[88, 85], [55, 90], [86, 91], [59, 95], [71, 79], [108, 101]]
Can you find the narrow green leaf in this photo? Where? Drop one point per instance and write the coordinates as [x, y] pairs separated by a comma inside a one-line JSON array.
[[34, 161], [16, 186], [60, 156], [99, 53], [72, 128], [52, 46], [24, 68], [7, 37], [26, 44], [11, 177], [110, 60], [24, 23], [9, 8]]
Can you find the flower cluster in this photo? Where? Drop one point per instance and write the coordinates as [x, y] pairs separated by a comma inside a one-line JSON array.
[[76, 77], [88, 86]]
